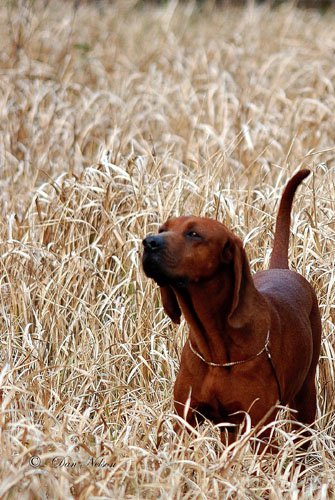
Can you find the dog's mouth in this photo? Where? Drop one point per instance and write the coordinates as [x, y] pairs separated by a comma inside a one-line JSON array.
[[155, 268]]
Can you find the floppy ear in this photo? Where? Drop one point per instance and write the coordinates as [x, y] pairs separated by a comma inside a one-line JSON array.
[[242, 307], [170, 303]]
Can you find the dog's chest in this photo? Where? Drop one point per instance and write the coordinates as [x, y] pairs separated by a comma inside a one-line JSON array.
[[218, 397]]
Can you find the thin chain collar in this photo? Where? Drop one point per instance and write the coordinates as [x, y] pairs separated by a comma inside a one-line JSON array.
[[233, 363]]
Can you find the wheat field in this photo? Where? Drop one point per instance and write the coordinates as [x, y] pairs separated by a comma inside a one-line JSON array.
[[115, 116]]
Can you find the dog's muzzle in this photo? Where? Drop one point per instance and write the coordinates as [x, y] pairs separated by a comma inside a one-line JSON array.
[[152, 257], [158, 263], [153, 243]]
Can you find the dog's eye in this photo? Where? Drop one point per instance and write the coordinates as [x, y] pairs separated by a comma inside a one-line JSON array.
[[193, 234]]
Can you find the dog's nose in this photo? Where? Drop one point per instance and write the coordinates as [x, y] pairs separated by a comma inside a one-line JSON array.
[[153, 243]]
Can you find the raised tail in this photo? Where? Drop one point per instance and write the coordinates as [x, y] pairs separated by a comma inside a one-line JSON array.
[[279, 257]]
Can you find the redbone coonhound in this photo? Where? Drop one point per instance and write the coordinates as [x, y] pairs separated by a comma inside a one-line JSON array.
[[253, 341]]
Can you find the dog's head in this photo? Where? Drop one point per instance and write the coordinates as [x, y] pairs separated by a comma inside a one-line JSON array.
[[194, 250], [186, 250]]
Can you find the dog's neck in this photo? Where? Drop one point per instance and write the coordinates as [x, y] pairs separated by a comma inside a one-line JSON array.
[[211, 333]]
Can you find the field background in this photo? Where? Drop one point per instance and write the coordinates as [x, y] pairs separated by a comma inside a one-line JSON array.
[[114, 117]]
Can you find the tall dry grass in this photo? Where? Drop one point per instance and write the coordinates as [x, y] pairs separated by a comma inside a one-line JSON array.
[[114, 117]]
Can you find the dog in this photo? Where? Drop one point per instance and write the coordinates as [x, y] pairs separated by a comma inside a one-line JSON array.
[[254, 342]]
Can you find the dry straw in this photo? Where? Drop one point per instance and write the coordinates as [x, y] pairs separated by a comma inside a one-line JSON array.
[[113, 117]]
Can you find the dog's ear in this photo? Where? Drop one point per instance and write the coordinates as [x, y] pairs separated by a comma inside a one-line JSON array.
[[170, 303], [242, 306]]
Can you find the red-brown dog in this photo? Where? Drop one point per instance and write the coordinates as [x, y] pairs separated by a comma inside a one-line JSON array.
[[253, 342]]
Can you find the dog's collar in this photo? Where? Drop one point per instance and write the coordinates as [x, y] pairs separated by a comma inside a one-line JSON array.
[[233, 363]]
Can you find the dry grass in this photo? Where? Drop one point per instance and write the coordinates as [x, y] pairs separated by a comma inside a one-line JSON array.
[[206, 113]]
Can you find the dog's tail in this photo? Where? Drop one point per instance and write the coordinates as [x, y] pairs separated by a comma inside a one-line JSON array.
[[279, 257]]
